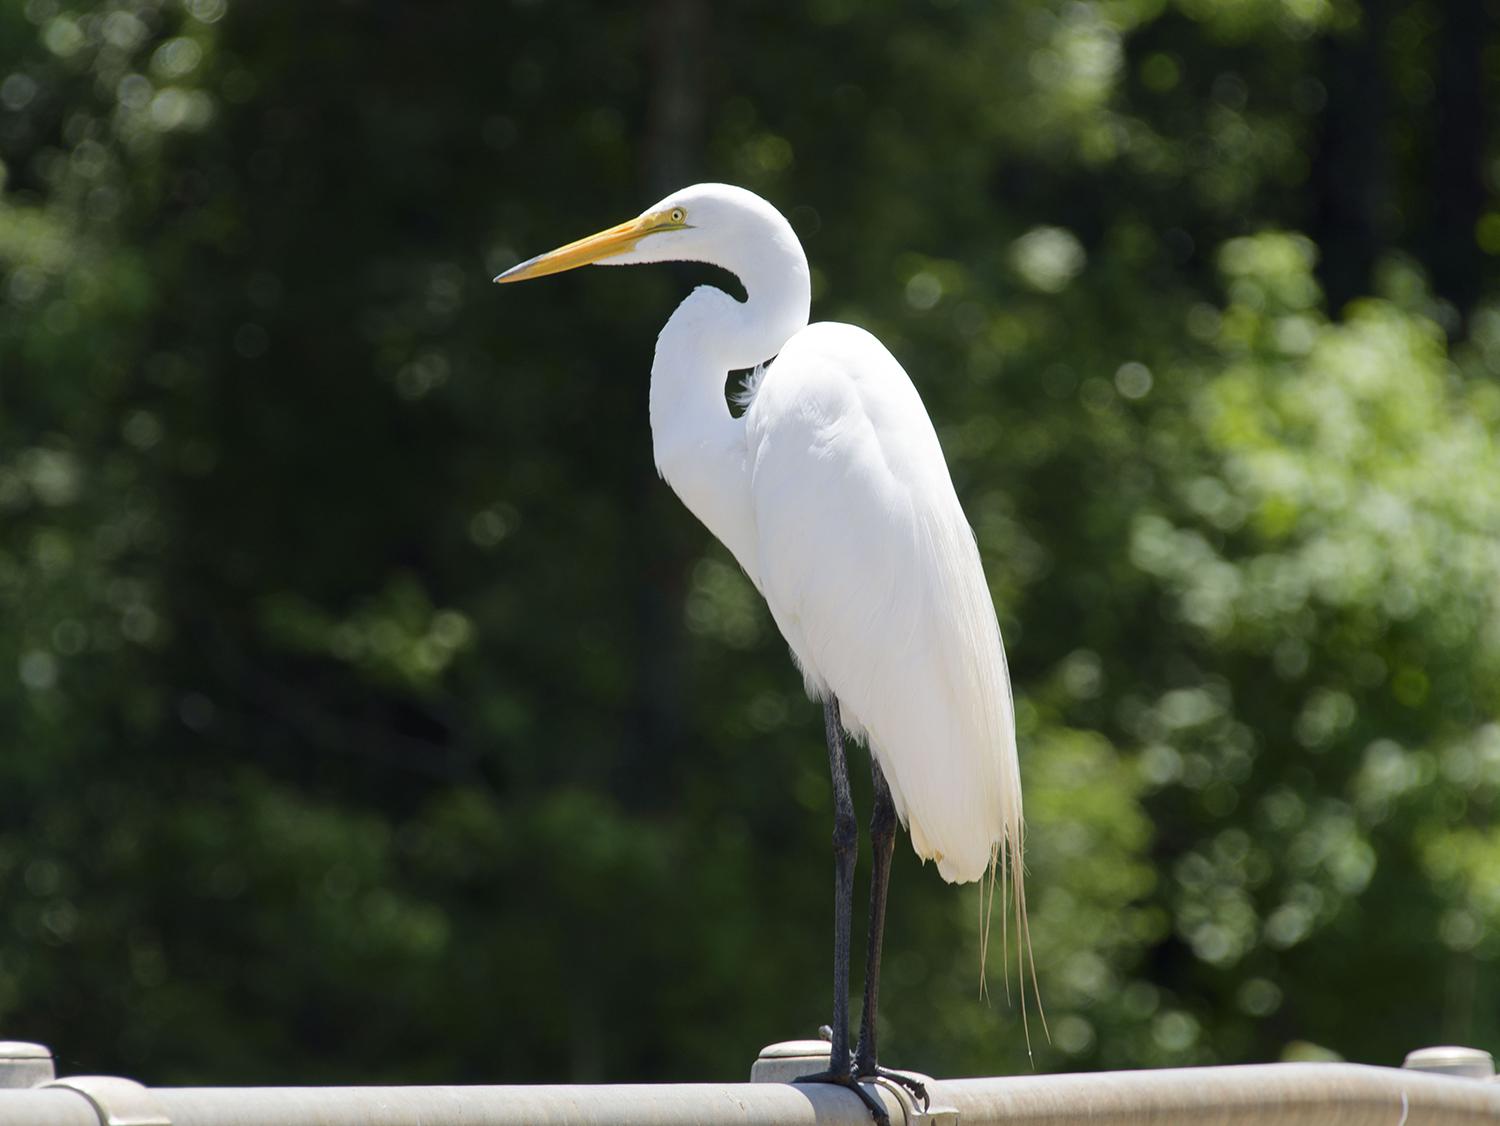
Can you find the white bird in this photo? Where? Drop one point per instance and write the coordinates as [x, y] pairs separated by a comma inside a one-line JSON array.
[[832, 493]]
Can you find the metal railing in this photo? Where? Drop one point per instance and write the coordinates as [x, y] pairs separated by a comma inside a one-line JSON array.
[[1438, 1087]]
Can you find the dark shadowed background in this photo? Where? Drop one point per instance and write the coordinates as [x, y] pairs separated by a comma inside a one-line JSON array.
[[372, 712]]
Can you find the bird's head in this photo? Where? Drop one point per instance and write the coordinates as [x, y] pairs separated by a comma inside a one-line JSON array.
[[696, 224]]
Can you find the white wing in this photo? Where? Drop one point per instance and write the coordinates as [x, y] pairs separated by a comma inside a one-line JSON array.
[[873, 576]]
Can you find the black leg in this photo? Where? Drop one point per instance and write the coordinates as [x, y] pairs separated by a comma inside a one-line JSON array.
[[883, 843], [845, 849]]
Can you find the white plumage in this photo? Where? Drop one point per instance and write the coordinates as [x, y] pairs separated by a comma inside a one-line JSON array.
[[832, 493], [873, 577]]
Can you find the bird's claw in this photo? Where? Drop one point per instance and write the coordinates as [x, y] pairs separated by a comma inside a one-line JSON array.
[[851, 1081], [912, 1085]]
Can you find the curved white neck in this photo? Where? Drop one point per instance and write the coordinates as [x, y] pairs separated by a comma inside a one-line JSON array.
[[699, 445]]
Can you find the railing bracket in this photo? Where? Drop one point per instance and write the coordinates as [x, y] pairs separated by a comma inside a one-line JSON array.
[[934, 1115], [117, 1101], [784, 1062]]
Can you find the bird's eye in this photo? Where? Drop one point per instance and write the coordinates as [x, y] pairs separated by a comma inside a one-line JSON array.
[[678, 215]]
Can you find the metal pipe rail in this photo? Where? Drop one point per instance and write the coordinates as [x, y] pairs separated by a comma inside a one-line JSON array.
[[1291, 1094]]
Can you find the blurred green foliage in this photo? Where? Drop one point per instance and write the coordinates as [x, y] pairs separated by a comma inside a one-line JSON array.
[[375, 714]]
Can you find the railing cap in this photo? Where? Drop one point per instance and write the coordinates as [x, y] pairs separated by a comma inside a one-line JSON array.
[[1452, 1059], [24, 1064]]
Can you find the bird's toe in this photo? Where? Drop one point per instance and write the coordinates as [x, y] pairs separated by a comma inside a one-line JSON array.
[[914, 1086], [849, 1080]]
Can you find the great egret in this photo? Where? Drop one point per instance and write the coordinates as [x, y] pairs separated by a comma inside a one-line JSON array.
[[832, 493]]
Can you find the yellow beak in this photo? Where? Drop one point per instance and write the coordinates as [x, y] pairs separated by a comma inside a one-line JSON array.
[[616, 240]]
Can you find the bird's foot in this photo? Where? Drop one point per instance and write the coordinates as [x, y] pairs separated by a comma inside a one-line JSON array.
[[869, 1069], [849, 1080]]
